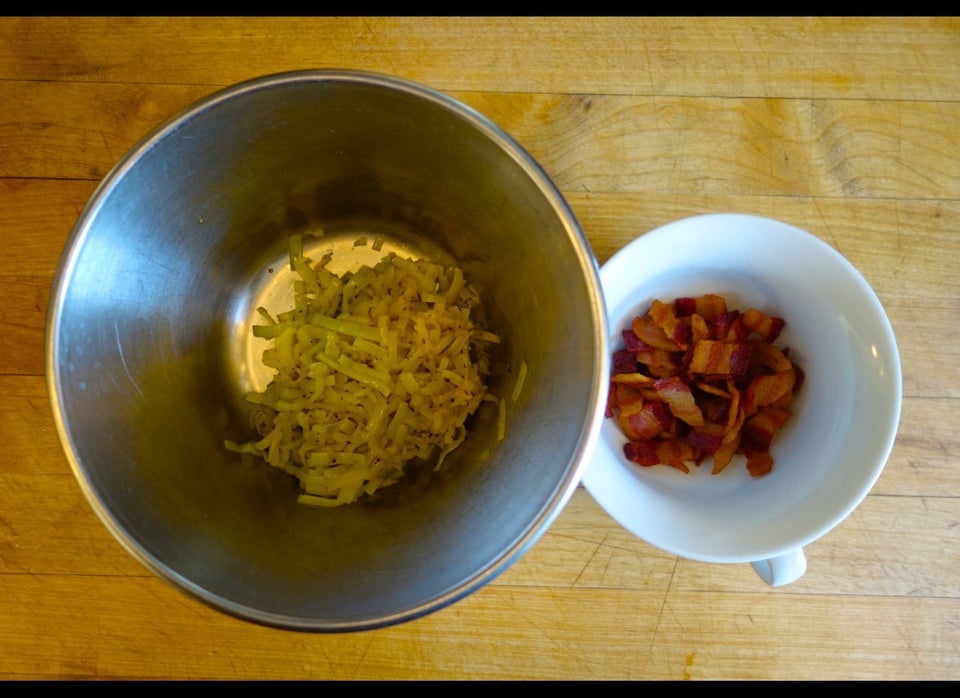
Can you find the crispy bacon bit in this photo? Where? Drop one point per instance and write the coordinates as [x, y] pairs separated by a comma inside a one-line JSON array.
[[768, 327], [645, 423], [720, 358], [675, 453], [679, 398], [642, 452], [729, 326], [699, 330], [768, 357], [635, 379], [659, 362], [706, 438], [735, 415], [715, 408], [725, 453], [625, 394], [631, 342], [650, 452], [767, 389], [758, 430], [710, 305], [650, 333], [685, 306], [696, 379], [676, 330], [759, 461]]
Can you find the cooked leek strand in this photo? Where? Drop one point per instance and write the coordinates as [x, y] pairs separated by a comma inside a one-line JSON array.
[[373, 369]]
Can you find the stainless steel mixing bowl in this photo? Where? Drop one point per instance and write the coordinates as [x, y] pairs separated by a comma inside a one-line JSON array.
[[149, 348]]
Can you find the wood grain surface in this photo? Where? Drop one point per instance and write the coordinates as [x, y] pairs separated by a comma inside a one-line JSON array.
[[846, 127]]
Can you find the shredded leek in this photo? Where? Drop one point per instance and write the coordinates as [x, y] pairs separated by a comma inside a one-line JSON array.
[[373, 369]]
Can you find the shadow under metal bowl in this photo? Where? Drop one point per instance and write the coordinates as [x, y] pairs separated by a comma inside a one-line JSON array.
[[150, 351]]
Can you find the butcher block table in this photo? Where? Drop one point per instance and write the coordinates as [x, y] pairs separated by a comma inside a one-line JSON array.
[[846, 127]]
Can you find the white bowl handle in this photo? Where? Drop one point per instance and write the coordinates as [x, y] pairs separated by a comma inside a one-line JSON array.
[[783, 569]]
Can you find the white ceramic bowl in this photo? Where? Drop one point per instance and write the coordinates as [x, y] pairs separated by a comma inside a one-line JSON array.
[[845, 415]]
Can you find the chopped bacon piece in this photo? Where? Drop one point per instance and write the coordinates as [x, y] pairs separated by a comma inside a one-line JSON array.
[[767, 326], [650, 452], [645, 423], [663, 314], [767, 389], [675, 453], [624, 394], [767, 356], [710, 305], [635, 379], [631, 342], [674, 329], [759, 462], [718, 358], [713, 388], [624, 361], [706, 438], [758, 430], [715, 408], [682, 331], [659, 362], [787, 397], [642, 452], [697, 380], [685, 305], [699, 329], [725, 453], [651, 334], [679, 398], [729, 326], [735, 415]]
